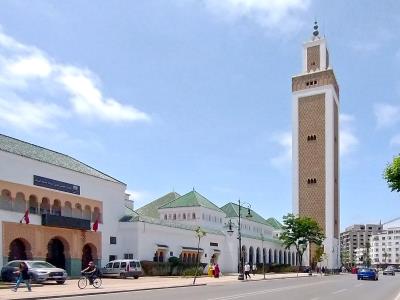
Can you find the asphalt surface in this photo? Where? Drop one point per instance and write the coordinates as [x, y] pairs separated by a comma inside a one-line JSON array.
[[312, 288]]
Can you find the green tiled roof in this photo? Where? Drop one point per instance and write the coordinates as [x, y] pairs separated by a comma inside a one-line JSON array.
[[145, 219], [274, 223], [191, 199], [232, 211], [28, 150], [151, 209]]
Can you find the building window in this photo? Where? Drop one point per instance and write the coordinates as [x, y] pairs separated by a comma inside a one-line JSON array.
[[112, 257], [171, 253], [165, 217], [193, 216], [311, 180], [184, 216], [174, 217], [311, 137], [128, 256], [113, 240]]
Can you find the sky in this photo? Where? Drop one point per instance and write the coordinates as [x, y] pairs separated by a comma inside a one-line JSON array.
[[181, 94]]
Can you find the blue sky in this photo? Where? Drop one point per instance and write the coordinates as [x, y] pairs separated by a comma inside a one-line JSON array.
[[171, 95]]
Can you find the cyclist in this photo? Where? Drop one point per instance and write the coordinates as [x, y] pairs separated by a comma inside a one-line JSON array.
[[90, 272]]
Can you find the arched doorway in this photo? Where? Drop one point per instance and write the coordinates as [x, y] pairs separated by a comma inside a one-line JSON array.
[[89, 253], [280, 257], [270, 256], [251, 256], [55, 253], [258, 256], [19, 249]]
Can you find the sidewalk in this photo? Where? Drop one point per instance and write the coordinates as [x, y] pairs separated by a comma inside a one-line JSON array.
[[70, 288]]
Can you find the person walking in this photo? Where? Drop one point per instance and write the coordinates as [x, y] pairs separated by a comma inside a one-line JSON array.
[[254, 269], [247, 270], [23, 275], [216, 271]]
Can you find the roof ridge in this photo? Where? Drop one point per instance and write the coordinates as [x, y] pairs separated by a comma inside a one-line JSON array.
[[59, 153]]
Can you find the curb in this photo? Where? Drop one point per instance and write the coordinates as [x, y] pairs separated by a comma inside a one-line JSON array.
[[110, 292]]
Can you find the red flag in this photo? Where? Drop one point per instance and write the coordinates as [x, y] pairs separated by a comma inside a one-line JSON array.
[[25, 217], [96, 225]]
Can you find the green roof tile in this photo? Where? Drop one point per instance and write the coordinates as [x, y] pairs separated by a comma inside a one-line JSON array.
[[232, 211], [192, 199], [274, 223], [139, 218], [151, 209], [28, 150]]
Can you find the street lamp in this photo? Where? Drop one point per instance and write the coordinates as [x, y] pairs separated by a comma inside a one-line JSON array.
[[230, 231], [199, 233]]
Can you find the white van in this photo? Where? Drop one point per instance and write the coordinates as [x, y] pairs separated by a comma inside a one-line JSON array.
[[123, 268]]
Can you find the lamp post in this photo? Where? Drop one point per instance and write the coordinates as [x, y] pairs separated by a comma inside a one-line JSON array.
[[230, 231], [199, 233]]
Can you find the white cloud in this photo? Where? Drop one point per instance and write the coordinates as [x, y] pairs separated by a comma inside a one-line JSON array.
[[386, 115], [284, 158], [138, 196], [280, 15], [87, 99], [32, 66], [29, 116], [27, 73], [348, 140]]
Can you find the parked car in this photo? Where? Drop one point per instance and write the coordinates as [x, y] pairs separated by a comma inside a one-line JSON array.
[[39, 270], [367, 273], [123, 268], [389, 271]]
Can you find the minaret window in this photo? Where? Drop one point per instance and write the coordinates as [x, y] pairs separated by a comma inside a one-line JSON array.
[[311, 137], [311, 180]]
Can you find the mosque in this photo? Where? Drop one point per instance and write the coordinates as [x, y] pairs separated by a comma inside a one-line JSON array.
[[56, 208]]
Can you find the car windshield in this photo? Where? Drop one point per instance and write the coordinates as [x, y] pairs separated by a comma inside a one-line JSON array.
[[40, 264], [366, 270]]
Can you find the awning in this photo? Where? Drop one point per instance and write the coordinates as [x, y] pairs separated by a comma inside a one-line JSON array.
[[161, 246], [217, 250], [191, 249]]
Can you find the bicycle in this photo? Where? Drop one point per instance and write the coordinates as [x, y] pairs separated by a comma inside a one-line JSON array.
[[83, 281]]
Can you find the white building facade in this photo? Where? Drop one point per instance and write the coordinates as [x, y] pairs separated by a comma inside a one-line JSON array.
[[65, 199], [385, 247]]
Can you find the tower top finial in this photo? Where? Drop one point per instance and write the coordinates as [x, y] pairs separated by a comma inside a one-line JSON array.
[[315, 32]]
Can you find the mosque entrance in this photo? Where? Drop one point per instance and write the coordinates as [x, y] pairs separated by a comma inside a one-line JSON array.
[[18, 250], [55, 253]]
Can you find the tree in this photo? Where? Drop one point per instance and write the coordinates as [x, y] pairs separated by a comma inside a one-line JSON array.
[[392, 174], [300, 232], [367, 254], [345, 258], [319, 254]]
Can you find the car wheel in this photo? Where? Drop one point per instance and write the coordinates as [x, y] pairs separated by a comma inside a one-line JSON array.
[[136, 277], [60, 281]]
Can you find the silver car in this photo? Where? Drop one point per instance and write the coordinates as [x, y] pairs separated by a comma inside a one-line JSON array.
[[39, 270]]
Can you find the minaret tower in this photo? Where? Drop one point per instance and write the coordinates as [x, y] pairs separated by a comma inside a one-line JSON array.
[[316, 145]]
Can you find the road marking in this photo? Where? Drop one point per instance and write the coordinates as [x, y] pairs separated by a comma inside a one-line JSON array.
[[358, 285], [315, 298], [339, 291], [244, 295]]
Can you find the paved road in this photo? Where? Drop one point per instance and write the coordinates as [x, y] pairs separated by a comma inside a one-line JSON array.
[[313, 288]]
